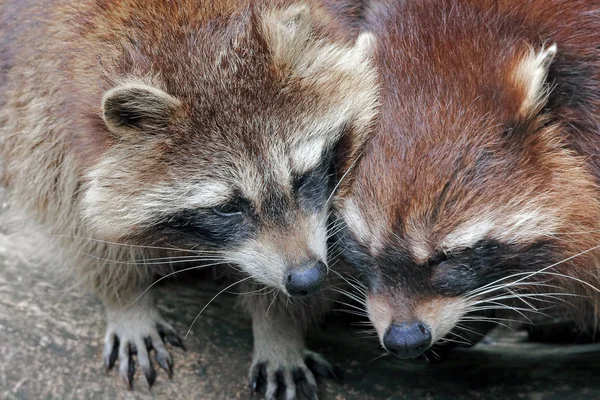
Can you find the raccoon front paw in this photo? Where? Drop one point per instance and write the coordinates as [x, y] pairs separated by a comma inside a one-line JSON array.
[[289, 376], [136, 335]]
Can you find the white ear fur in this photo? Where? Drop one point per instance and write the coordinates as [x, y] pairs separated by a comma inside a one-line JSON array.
[[136, 106], [365, 43], [531, 75], [288, 31], [290, 34]]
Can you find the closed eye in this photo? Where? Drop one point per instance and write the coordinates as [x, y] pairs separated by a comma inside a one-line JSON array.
[[235, 207]]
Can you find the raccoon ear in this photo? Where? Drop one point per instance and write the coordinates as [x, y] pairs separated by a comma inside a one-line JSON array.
[[134, 107], [530, 75], [287, 31], [294, 43]]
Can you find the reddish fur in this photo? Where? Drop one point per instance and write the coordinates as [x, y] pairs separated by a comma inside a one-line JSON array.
[[446, 71]]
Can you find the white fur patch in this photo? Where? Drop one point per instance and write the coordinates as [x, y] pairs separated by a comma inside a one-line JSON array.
[[268, 257], [381, 315], [527, 224], [441, 315], [113, 217], [307, 155], [508, 225], [356, 221], [468, 234], [531, 74]]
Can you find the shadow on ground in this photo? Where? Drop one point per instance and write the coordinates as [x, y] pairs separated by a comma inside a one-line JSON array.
[[51, 348]]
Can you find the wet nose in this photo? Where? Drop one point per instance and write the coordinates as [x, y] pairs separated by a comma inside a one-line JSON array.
[[306, 279], [407, 340]]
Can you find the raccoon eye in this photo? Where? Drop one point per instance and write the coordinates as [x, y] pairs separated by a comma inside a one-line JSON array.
[[233, 208], [301, 181]]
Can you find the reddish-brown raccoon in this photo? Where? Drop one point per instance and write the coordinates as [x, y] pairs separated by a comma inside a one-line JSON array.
[[480, 191]]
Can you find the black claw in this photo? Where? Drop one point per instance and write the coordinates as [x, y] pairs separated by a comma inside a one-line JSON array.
[[175, 341], [128, 383], [130, 371], [132, 349], [258, 371], [309, 391], [298, 375], [114, 354], [253, 384], [150, 375], [165, 364], [322, 370], [148, 343]]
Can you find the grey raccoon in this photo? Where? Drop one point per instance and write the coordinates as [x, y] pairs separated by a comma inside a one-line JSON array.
[[129, 126]]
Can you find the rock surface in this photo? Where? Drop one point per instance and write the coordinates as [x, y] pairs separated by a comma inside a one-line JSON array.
[[51, 348]]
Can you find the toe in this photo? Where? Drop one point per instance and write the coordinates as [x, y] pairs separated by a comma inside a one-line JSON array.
[[319, 365], [144, 362], [255, 375], [306, 382], [309, 391], [162, 356], [167, 333], [126, 364], [290, 385], [111, 350], [272, 385]]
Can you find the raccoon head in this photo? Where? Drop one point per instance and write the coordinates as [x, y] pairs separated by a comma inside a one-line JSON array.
[[465, 198], [230, 141]]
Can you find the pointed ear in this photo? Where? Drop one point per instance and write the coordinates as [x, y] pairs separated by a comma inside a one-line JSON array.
[[136, 107], [530, 76], [294, 43], [287, 31]]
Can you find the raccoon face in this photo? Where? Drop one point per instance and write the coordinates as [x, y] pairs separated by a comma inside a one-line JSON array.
[[463, 200], [234, 145]]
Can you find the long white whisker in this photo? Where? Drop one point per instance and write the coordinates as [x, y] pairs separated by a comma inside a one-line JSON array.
[[168, 275], [165, 262], [528, 274], [343, 176], [211, 300], [273, 301], [137, 246]]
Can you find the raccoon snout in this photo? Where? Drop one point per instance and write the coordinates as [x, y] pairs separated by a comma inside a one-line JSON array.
[[305, 279], [407, 340]]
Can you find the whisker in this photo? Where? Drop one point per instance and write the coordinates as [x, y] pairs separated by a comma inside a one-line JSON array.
[[273, 301], [142, 262], [530, 274], [448, 340], [211, 300], [352, 296], [378, 357], [168, 275], [464, 328], [342, 178], [360, 314], [137, 246]]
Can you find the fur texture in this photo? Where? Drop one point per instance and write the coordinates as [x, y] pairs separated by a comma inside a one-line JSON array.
[[481, 185], [137, 131]]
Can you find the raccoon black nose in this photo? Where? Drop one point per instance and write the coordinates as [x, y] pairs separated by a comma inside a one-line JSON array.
[[306, 279], [407, 340]]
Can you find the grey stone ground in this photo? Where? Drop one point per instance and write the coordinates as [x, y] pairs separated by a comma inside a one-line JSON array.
[[51, 344]]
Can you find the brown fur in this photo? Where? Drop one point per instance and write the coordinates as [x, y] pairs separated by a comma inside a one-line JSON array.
[[461, 149], [228, 90]]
